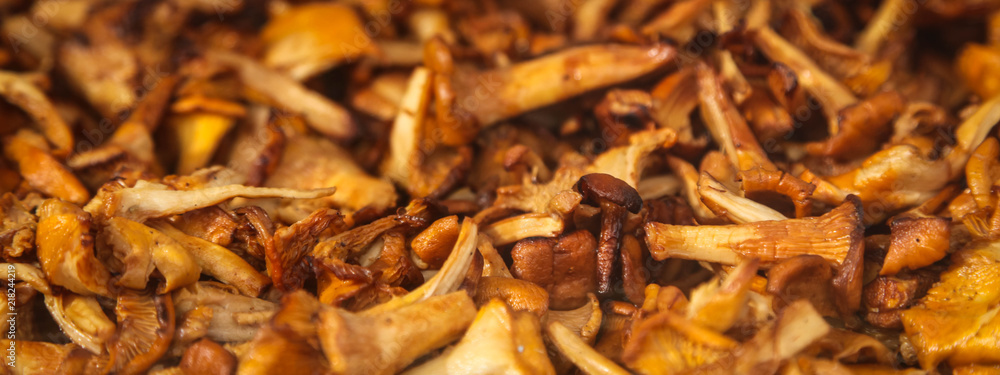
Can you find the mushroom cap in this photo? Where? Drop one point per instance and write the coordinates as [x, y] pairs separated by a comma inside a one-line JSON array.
[[596, 187]]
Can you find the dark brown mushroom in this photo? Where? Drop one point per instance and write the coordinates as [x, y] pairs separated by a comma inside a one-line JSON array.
[[615, 198]]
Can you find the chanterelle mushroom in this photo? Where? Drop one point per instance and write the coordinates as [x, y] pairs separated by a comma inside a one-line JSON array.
[[616, 199]]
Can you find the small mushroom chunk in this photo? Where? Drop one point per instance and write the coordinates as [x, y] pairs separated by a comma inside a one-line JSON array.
[[519, 227], [566, 268], [207, 357], [887, 296], [434, 244], [916, 242], [616, 199], [210, 224]]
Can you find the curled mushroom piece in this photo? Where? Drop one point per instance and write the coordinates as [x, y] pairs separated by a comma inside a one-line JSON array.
[[66, 249], [218, 262], [145, 327], [355, 343], [513, 338], [40, 168], [82, 319], [831, 236], [139, 249], [288, 342], [615, 199]]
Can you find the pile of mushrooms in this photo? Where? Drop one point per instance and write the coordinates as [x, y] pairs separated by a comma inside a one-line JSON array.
[[485, 187]]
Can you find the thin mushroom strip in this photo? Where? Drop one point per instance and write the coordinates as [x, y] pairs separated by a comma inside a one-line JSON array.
[[500, 187]]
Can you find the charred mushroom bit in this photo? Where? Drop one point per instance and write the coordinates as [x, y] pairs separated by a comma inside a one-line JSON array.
[[500, 187]]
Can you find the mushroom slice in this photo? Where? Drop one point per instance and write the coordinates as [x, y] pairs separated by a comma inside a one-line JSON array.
[[520, 295], [37, 357], [234, 318], [388, 341], [717, 197], [211, 224], [21, 92], [513, 340], [217, 261], [138, 249], [583, 322], [958, 319], [27, 273], [81, 319], [148, 200], [66, 249], [17, 227], [796, 328], [320, 113], [198, 136], [313, 163], [289, 342], [305, 40], [145, 329], [916, 242], [808, 277], [678, 21], [717, 305], [519, 227], [257, 146], [666, 342], [40, 169], [831, 236], [861, 127], [674, 98]]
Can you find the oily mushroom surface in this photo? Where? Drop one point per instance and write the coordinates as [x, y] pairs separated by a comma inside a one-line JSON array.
[[480, 187]]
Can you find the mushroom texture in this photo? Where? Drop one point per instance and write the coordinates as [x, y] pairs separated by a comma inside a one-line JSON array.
[[522, 186]]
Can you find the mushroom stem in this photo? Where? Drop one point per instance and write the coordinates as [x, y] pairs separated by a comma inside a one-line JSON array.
[[830, 236], [612, 221]]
